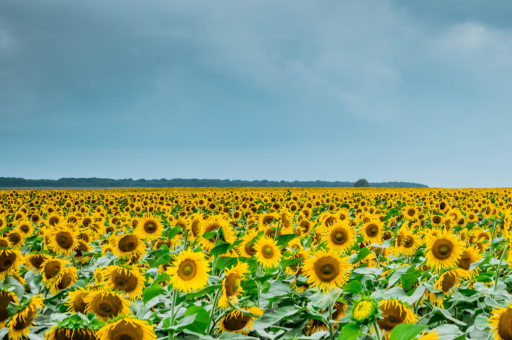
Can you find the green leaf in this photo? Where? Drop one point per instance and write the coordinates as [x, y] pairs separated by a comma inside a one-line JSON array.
[[255, 238], [209, 234], [353, 287], [362, 254], [226, 262], [405, 331], [199, 293], [283, 240], [153, 291], [322, 301], [350, 331], [164, 259], [220, 249], [174, 231], [202, 319], [289, 262], [409, 280]]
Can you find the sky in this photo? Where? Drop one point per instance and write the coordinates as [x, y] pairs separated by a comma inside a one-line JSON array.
[[417, 91]]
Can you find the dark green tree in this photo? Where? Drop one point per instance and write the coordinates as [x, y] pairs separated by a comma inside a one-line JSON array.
[[362, 183]]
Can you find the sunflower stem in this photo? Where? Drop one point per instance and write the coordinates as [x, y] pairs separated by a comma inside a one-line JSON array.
[[212, 312], [330, 323], [174, 297], [376, 326], [499, 268], [277, 231]]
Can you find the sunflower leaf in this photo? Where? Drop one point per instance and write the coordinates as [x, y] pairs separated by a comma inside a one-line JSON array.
[[353, 287], [406, 331], [283, 240], [154, 290], [350, 331]]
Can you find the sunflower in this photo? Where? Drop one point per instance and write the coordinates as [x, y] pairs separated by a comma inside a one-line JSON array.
[[213, 224], [365, 311], [409, 243], [75, 301], [22, 320], [372, 232], [237, 322], [52, 270], [128, 245], [16, 238], [469, 255], [25, 226], [63, 240], [54, 219], [448, 281], [127, 279], [231, 284], [436, 220], [246, 249], [443, 250], [326, 270], [62, 333], [432, 335], [68, 278], [501, 323], [34, 261], [195, 225], [296, 269], [340, 236], [106, 304], [150, 228], [267, 252], [6, 298], [127, 328], [4, 242], [10, 260], [190, 271], [394, 312]]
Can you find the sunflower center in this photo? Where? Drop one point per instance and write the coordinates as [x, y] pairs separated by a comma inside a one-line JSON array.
[[105, 307], [187, 270], [150, 227], [327, 269], [449, 280], [339, 237], [505, 325], [392, 317], [372, 230], [250, 249], [465, 262], [236, 322], [128, 243], [442, 249], [268, 251]]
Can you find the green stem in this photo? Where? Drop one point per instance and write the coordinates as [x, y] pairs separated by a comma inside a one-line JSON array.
[[277, 230], [330, 323], [499, 267], [174, 298], [212, 311], [376, 326]]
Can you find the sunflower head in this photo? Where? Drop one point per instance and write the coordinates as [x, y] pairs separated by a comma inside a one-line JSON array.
[[150, 228], [63, 240], [237, 322], [127, 328], [340, 236], [267, 252], [365, 311], [444, 250], [190, 271], [231, 284], [20, 323], [327, 270], [6, 298], [9, 262], [125, 279], [394, 312], [76, 301], [106, 304], [129, 245]]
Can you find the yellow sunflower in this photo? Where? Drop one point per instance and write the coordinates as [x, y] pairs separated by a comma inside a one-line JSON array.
[[501, 323], [128, 245], [63, 240], [443, 250], [231, 284], [10, 260], [237, 322], [70, 333], [34, 261], [246, 249], [16, 238], [6, 299], [449, 281], [68, 278], [213, 224], [267, 252], [340, 236], [372, 232], [469, 255], [127, 279], [52, 270], [150, 227], [106, 304], [394, 312], [127, 328], [326, 270], [190, 271], [20, 323], [76, 301]]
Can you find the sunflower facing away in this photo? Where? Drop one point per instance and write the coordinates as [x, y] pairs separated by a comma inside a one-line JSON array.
[[267, 252], [35, 261], [444, 250], [237, 322], [127, 279], [22, 320], [127, 328], [106, 304], [6, 298], [365, 311], [231, 284], [190, 271], [326, 270], [62, 333]]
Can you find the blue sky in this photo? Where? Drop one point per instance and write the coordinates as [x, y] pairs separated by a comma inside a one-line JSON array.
[[280, 90]]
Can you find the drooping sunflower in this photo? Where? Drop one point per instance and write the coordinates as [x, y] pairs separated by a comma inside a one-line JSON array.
[[195, 226], [340, 236], [10, 260], [449, 281], [365, 311], [190, 271], [99, 275], [231, 284], [4, 242], [469, 255], [326, 270], [106, 304], [128, 245], [394, 312], [150, 227], [443, 250], [52, 270], [267, 252], [68, 278], [127, 279], [501, 323], [76, 301], [237, 322], [372, 232], [62, 333], [246, 249], [63, 240], [23, 319], [432, 335], [6, 298], [127, 328]]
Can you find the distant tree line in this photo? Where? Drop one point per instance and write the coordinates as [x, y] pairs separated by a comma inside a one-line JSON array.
[[6, 182]]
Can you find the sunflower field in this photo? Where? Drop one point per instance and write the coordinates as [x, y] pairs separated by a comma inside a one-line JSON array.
[[256, 263]]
